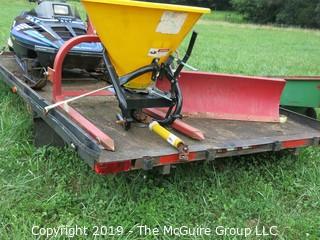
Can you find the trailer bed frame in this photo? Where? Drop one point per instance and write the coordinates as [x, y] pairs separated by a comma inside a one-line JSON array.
[[138, 148]]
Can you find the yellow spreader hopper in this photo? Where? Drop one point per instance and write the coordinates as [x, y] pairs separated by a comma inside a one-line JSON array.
[[136, 32], [140, 39]]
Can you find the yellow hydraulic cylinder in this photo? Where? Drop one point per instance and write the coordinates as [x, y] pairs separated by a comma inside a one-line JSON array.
[[172, 139]]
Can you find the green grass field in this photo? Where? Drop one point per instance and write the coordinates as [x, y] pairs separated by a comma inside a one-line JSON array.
[[51, 187]]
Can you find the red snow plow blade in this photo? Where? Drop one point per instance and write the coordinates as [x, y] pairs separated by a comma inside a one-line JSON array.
[[232, 97]]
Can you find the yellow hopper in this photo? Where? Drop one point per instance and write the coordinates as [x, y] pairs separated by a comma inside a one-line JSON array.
[[135, 33]]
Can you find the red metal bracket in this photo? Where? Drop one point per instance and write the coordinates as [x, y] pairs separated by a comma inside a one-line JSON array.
[[58, 62], [90, 28], [55, 76]]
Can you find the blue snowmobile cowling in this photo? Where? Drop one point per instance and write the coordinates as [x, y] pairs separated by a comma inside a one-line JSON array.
[[37, 35]]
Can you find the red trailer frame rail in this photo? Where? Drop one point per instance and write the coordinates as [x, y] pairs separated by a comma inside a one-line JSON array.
[[148, 163]]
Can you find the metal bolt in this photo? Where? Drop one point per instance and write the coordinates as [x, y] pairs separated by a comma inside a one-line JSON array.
[[14, 89]]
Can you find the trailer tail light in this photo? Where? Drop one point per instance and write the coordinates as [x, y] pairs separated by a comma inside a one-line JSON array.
[[112, 167], [172, 159], [295, 143]]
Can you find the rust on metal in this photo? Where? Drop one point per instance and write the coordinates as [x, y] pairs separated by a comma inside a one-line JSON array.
[[183, 152], [50, 73], [14, 89]]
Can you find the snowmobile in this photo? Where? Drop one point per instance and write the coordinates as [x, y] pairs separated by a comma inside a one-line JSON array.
[[37, 35]]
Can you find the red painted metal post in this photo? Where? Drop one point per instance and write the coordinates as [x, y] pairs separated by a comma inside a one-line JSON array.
[[90, 28], [58, 62], [58, 95]]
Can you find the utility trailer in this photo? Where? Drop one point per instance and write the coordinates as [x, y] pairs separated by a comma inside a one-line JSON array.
[[139, 148]]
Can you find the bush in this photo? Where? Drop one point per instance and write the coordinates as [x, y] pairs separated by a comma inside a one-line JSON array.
[[260, 11], [304, 13]]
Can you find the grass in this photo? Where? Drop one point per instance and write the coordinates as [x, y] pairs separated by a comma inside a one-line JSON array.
[[225, 16], [52, 187]]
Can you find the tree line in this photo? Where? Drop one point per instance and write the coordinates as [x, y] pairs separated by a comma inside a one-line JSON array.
[[213, 4], [304, 13]]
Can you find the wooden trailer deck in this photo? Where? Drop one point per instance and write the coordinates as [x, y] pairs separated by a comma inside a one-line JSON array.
[[140, 148]]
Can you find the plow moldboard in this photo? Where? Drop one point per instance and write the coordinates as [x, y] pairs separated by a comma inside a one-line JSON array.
[[232, 97]]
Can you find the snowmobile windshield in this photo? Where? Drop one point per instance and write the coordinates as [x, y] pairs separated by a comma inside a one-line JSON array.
[[51, 10]]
